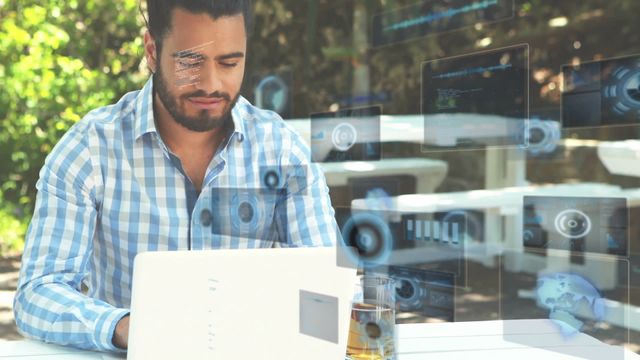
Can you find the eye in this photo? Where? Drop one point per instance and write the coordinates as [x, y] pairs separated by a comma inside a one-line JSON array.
[[229, 64], [188, 63]]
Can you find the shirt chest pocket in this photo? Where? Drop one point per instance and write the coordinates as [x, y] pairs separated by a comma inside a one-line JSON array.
[[245, 214]]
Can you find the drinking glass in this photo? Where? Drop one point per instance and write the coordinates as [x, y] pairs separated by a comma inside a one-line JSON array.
[[371, 332]]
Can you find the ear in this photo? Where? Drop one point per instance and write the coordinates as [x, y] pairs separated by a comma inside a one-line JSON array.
[[150, 51]]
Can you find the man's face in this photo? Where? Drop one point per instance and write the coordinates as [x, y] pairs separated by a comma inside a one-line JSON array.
[[200, 69]]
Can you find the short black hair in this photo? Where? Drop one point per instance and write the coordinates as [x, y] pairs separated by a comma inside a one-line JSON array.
[[159, 13]]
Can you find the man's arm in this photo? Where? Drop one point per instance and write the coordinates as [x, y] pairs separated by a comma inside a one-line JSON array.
[[306, 217], [49, 305]]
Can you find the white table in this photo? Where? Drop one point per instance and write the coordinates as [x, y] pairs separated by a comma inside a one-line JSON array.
[[500, 339], [429, 173], [510, 339]]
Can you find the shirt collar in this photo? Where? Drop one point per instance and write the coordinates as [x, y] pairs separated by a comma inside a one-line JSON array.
[[144, 117], [144, 123]]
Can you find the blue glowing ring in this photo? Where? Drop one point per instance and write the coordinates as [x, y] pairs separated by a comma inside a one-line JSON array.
[[370, 235], [248, 213], [407, 303], [550, 136], [624, 79], [271, 179]]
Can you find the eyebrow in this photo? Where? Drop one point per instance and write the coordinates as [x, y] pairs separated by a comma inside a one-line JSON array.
[[197, 55], [233, 55]]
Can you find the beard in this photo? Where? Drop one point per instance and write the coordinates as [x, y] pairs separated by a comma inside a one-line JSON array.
[[203, 122]]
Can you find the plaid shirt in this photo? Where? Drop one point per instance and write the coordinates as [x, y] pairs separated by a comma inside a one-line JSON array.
[[111, 189]]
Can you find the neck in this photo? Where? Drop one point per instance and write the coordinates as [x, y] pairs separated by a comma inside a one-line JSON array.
[[180, 139]]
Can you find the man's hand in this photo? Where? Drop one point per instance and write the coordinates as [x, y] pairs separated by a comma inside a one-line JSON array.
[[121, 335]]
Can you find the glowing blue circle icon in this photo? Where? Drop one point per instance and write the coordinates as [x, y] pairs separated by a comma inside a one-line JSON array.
[[567, 295], [624, 90], [272, 94], [573, 224], [632, 88], [247, 213], [344, 136], [271, 179], [409, 294], [541, 136], [368, 239]]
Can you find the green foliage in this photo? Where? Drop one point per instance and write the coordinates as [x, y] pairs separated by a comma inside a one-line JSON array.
[[13, 228], [59, 59]]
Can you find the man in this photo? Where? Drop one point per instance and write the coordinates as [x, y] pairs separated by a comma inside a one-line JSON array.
[[185, 163]]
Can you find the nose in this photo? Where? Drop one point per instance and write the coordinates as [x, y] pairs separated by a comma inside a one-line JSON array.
[[209, 80]]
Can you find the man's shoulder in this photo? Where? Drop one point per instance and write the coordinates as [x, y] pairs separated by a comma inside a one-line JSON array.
[[99, 122], [111, 115], [106, 119]]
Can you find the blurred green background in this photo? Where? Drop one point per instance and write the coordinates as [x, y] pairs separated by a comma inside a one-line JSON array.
[[59, 59]]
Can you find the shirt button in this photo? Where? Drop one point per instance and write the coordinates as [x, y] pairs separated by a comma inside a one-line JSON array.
[[205, 217]]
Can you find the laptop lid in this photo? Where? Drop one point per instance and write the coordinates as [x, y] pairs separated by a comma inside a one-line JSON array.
[[240, 304]]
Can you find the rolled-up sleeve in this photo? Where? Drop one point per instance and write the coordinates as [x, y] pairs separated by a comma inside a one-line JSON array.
[[49, 304]]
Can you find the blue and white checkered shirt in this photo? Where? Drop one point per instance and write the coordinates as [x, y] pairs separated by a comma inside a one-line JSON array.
[[111, 189]]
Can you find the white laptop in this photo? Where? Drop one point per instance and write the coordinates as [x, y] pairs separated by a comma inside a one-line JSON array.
[[240, 304]]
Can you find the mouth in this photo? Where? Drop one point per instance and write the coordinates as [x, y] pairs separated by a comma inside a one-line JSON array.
[[206, 103]]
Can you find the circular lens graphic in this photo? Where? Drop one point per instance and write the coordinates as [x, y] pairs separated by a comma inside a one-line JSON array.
[[632, 87], [536, 136], [369, 239], [271, 179], [623, 89], [573, 224], [405, 289], [344, 136], [408, 294], [541, 136], [245, 212]]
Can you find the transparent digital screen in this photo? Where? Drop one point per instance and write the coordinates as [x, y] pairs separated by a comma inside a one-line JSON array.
[[346, 135], [476, 100], [428, 241], [421, 294], [577, 224], [249, 216], [433, 17], [601, 93], [578, 301]]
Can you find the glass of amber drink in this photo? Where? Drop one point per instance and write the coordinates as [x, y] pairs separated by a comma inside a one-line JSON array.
[[371, 332]]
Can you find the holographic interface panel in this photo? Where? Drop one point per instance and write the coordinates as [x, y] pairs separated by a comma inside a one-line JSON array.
[[433, 17], [346, 135], [578, 224], [601, 93], [476, 100]]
